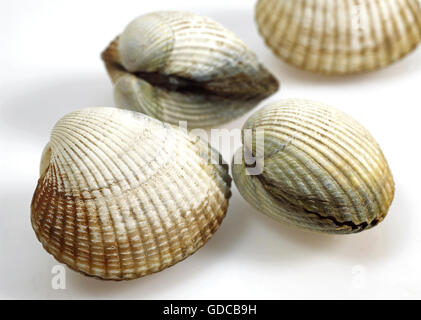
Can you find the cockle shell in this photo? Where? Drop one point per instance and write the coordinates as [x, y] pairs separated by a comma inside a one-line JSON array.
[[319, 169], [178, 66], [122, 195], [340, 36]]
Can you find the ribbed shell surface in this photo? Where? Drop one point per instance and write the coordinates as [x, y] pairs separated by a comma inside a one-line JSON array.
[[178, 66], [321, 170], [122, 195], [340, 36]]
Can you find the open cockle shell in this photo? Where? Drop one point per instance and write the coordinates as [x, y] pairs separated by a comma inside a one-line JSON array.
[[178, 66], [320, 169], [340, 36], [122, 195]]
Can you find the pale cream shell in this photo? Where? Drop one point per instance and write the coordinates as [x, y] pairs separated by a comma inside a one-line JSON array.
[[122, 195], [321, 170], [340, 36], [215, 76]]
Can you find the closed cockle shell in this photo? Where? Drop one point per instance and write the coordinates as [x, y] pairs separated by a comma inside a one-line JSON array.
[[178, 66], [340, 36], [122, 195], [318, 169]]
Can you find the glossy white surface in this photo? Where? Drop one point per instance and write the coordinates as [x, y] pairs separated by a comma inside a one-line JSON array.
[[51, 66]]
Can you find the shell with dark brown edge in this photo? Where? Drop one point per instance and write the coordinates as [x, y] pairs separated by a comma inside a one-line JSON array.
[[178, 66], [122, 195]]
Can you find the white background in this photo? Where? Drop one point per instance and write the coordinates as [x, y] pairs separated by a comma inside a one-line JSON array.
[[50, 65]]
